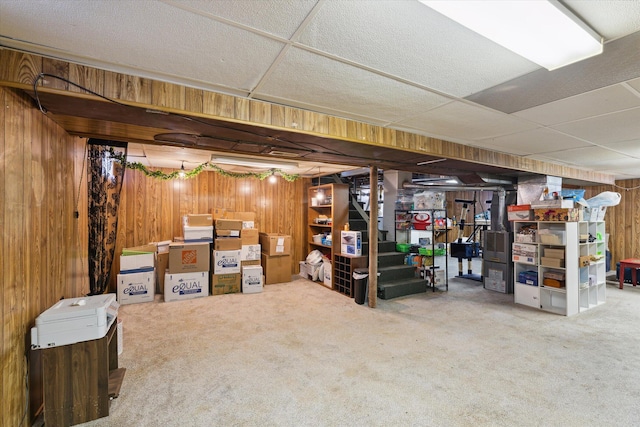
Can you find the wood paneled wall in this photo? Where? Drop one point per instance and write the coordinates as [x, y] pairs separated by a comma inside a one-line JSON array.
[[622, 221], [43, 249], [151, 209], [20, 69]]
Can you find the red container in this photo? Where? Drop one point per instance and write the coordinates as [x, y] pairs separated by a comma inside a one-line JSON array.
[[421, 221]]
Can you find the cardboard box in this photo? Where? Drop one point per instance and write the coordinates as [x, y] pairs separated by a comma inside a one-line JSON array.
[[227, 244], [139, 263], [226, 262], [250, 252], [552, 262], [519, 212], [198, 220], [351, 243], [189, 257], [248, 218], [162, 264], [135, 288], [227, 233], [225, 284], [327, 272], [558, 214], [242, 216], [136, 262], [524, 253], [554, 253], [228, 224], [304, 273], [552, 237], [218, 213], [252, 279], [553, 204], [528, 277], [197, 234], [163, 247], [275, 244], [249, 262], [136, 250], [184, 286], [277, 269], [250, 236]]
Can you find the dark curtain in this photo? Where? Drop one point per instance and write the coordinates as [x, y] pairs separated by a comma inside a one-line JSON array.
[[104, 183]]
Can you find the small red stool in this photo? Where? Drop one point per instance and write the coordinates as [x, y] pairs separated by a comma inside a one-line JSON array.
[[632, 263]]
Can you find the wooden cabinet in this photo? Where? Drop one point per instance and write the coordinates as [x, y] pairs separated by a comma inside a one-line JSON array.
[[559, 266], [343, 267], [78, 380], [328, 212]]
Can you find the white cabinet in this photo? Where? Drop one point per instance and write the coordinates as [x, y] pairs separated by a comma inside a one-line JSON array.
[[559, 266]]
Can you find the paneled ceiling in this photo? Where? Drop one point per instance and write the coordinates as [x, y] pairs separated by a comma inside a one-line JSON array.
[[396, 64]]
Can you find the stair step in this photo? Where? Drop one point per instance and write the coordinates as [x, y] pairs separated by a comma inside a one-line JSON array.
[[396, 272], [386, 259], [401, 288]]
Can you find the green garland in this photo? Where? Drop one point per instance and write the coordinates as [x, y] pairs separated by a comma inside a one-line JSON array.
[[158, 174]]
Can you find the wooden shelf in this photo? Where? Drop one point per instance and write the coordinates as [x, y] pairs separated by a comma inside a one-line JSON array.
[[79, 380], [337, 211]]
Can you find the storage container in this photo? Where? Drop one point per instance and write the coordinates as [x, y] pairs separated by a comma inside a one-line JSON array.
[[403, 247]]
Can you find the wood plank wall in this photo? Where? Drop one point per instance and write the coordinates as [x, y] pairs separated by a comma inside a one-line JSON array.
[[151, 209], [20, 69], [622, 221], [43, 249]]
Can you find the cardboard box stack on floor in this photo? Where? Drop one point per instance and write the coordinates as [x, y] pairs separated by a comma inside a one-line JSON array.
[[197, 228], [188, 274], [137, 278], [236, 254], [276, 257]]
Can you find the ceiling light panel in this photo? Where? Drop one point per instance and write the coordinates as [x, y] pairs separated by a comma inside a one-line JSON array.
[[545, 32]]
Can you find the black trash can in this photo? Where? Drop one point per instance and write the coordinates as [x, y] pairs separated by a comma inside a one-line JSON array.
[[360, 278]]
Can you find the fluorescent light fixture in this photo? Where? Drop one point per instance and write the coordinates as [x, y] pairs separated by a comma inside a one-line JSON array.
[[253, 162], [544, 32], [428, 162]]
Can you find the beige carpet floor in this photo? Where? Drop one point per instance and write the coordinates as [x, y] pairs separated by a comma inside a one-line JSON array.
[[299, 354]]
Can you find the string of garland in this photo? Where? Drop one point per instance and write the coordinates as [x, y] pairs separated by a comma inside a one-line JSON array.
[[179, 174]]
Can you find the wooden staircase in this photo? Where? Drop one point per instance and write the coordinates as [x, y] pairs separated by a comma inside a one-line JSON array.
[[395, 278]]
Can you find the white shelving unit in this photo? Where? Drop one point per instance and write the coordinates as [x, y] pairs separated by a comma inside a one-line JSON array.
[[584, 286]]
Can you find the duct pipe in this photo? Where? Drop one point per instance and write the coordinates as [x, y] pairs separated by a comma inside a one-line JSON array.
[[408, 186]]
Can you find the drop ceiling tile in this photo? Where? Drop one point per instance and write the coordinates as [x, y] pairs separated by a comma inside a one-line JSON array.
[[305, 79], [278, 17], [591, 157], [635, 84], [413, 42], [534, 141], [607, 129], [462, 121], [159, 39], [628, 148], [594, 103], [627, 173], [610, 19]]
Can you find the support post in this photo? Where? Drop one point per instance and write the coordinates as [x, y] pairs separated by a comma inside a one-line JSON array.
[[373, 236]]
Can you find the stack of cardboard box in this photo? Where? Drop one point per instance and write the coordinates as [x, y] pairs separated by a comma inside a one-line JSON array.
[[197, 228], [276, 257], [225, 274], [247, 276], [137, 278], [188, 274]]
